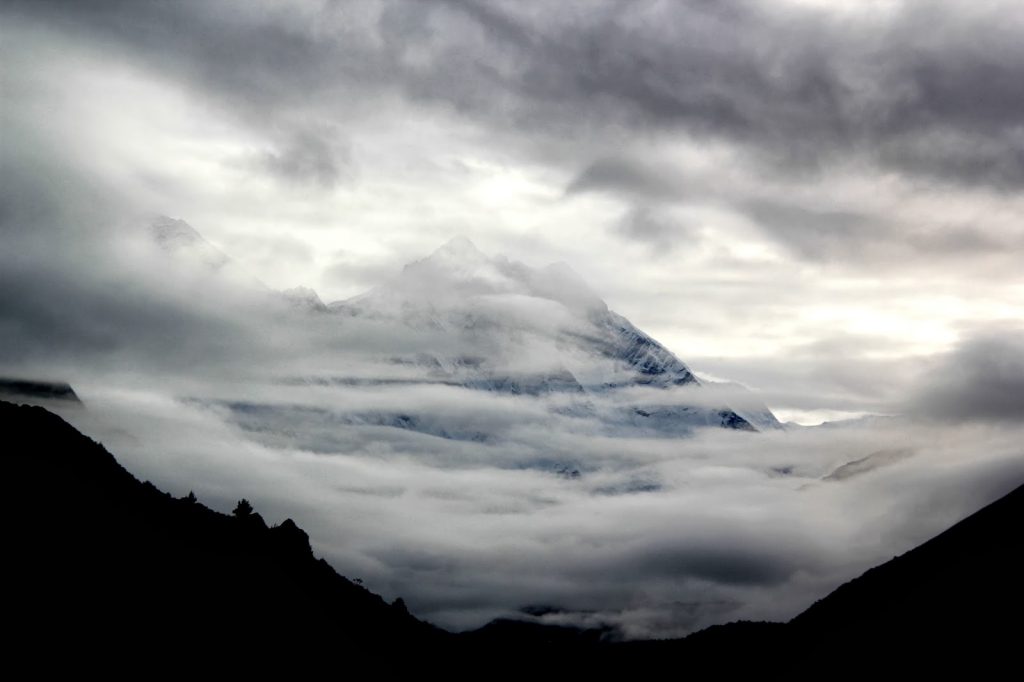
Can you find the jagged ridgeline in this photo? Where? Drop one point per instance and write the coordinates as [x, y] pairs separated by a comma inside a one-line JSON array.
[[102, 564]]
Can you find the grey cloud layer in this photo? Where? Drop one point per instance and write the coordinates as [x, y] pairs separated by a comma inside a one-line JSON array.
[[799, 85], [787, 97], [311, 157], [983, 379]]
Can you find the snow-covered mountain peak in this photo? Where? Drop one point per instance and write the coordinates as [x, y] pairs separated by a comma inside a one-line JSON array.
[[458, 268], [304, 298], [167, 230], [179, 239], [456, 258], [458, 273], [459, 248], [540, 331]]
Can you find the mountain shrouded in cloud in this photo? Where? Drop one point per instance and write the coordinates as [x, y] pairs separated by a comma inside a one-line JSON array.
[[810, 198], [536, 332], [502, 327], [817, 200], [178, 238]]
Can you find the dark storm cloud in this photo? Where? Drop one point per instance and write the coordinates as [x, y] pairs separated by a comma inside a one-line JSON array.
[[967, 157], [962, 240], [815, 234], [833, 234], [656, 228], [309, 157], [62, 314], [982, 379], [739, 562], [630, 178], [258, 57], [68, 294], [797, 87]]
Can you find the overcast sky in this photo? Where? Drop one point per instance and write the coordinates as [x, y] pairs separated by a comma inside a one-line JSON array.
[[808, 197]]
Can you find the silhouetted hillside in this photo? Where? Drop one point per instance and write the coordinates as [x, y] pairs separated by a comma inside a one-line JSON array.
[[105, 566], [955, 602], [104, 571], [963, 590]]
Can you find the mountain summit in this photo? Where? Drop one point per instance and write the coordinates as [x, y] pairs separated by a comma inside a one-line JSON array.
[[179, 239], [458, 272], [489, 323], [460, 248], [516, 329]]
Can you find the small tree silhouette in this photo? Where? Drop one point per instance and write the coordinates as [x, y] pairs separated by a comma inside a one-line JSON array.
[[191, 497], [243, 509]]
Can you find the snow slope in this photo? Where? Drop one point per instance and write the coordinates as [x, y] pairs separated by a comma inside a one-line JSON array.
[[525, 331]]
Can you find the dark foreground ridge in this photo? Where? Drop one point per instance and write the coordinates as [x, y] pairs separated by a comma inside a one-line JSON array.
[[104, 571], [102, 566]]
